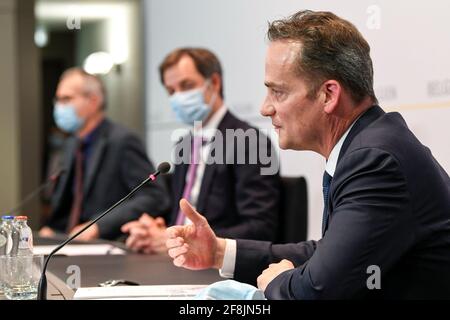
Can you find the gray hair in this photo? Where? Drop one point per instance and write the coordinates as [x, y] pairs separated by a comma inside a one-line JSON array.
[[92, 85]]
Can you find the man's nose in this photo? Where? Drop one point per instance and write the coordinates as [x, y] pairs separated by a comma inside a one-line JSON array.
[[267, 109]]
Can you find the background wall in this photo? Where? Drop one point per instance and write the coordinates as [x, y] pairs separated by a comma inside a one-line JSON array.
[[410, 51], [20, 128], [112, 26]]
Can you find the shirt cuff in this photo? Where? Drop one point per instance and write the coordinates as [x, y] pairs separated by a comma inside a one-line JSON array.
[[229, 259]]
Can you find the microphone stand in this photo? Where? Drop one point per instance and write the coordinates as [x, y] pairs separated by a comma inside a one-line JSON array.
[[42, 286], [36, 192]]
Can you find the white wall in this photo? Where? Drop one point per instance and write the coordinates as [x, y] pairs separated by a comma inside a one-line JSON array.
[[410, 50]]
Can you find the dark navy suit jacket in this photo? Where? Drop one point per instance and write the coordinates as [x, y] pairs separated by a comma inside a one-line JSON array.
[[236, 199], [117, 163], [389, 206]]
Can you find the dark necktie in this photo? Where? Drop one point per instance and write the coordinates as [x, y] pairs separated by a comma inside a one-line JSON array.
[[326, 181], [77, 202]]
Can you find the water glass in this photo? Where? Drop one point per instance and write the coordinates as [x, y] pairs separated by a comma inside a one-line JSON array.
[[19, 276]]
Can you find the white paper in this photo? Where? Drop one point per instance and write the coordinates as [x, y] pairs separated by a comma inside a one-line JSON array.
[[80, 250], [160, 292]]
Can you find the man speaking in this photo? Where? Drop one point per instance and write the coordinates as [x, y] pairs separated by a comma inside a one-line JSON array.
[[386, 199]]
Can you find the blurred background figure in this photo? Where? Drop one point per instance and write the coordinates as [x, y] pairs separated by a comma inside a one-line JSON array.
[[103, 162], [42, 39], [237, 199], [123, 41]]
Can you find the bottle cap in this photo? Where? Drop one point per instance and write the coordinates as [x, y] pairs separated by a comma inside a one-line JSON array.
[[7, 217], [21, 218]]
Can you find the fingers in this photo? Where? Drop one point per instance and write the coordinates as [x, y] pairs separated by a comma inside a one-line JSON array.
[[46, 232], [287, 263], [131, 241], [74, 231], [174, 242], [136, 234], [283, 262], [179, 261], [160, 222], [178, 251], [146, 220], [191, 213], [138, 243], [139, 232], [259, 281], [175, 231], [130, 225]]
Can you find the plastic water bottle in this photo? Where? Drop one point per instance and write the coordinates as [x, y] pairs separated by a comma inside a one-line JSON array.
[[21, 277], [25, 241], [6, 227]]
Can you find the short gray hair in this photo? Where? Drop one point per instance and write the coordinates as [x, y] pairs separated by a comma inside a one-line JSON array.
[[91, 83]]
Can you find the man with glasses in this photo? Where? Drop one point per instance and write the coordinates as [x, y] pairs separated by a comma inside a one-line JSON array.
[[102, 162]]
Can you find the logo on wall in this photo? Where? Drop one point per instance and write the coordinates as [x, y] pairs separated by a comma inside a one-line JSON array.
[[374, 18]]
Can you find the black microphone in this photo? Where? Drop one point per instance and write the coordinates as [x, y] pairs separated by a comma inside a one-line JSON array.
[[50, 180], [163, 168]]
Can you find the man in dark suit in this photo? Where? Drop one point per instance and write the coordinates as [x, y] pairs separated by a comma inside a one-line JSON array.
[[386, 222], [103, 162], [238, 197]]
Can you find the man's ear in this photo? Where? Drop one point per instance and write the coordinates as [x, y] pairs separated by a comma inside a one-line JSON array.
[[95, 100], [216, 82], [331, 92]]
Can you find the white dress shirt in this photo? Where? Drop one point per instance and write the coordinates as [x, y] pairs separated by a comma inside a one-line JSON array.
[[207, 132], [229, 259]]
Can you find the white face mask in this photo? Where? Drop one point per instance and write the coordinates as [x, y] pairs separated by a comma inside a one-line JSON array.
[[190, 106]]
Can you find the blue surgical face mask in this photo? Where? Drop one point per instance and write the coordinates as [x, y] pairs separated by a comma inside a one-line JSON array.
[[189, 106], [66, 118]]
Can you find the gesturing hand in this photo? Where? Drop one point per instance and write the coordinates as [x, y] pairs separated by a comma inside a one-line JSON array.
[[194, 246]]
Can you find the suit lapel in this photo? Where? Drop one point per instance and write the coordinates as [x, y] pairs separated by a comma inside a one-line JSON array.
[[364, 121], [98, 150], [205, 186], [67, 166], [180, 180], [207, 179], [210, 170]]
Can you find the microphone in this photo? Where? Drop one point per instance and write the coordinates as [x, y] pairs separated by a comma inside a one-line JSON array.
[[50, 180], [163, 168]]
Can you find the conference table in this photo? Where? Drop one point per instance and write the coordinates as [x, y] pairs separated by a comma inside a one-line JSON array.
[[144, 269]]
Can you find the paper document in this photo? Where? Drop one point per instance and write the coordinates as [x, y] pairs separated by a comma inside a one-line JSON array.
[[163, 292], [81, 250]]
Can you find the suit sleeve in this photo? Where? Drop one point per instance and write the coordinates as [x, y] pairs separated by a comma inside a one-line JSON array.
[[252, 257], [257, 194], [370, 224], [152, 198]]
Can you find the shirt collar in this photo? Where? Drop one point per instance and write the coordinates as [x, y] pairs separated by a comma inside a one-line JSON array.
[[330, 167], [209, 129], [90, 138]]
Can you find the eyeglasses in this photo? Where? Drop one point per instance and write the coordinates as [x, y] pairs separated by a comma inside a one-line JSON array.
[[66, 99]]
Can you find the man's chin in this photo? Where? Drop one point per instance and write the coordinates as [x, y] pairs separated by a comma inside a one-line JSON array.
[[282, 144]]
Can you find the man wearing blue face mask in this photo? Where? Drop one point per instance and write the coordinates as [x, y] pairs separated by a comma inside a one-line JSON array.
[[238, 200], [103, 162], [190, 106]]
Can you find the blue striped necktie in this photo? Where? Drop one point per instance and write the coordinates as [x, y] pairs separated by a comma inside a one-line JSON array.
[[326, 189]]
